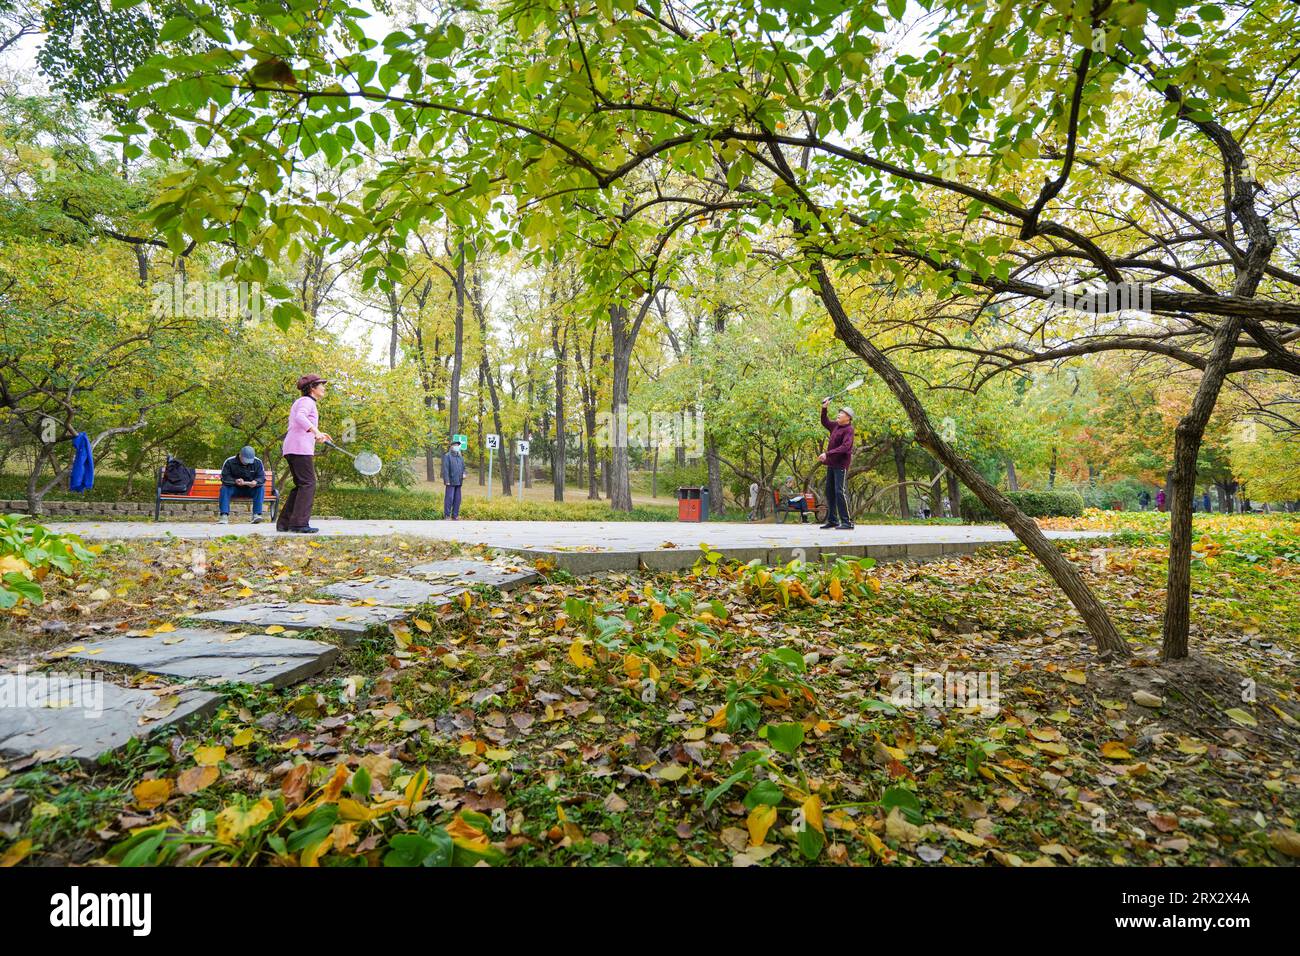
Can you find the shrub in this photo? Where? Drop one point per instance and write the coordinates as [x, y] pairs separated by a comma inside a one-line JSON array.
[[1036, 504], [28, 552]]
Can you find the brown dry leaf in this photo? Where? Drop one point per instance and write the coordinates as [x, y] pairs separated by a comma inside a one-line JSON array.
[[294, 786], [196, 779]]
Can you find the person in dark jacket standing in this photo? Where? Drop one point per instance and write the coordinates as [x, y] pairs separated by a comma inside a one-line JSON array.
[[242, 476], [836, 458], [453, 476], [299, 450]]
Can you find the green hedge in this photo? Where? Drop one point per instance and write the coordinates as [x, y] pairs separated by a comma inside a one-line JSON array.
[[394, 505], [1036, 504]]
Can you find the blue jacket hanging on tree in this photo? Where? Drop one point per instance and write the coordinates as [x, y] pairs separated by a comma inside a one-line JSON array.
[[83, 465]]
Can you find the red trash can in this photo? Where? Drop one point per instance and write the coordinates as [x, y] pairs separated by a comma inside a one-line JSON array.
[[692, 504]]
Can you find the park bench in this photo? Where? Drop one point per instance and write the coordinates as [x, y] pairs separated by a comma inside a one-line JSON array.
[[207, 487], [781, 507]]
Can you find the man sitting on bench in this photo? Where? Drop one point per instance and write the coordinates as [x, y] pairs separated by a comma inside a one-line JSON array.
[[795, 500], [242, 476]]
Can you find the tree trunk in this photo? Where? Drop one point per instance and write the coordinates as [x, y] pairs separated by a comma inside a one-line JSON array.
[[1182, 482], [1013, 481], [1109, 642], [593, 479], [717, 504], [482, 453], [619, 486], [900, 468], [560, 348], [1051, 470], [954, 495], [458, 339]]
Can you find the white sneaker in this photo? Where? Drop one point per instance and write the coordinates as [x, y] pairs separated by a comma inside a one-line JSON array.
[[257, 519], [224, 519]]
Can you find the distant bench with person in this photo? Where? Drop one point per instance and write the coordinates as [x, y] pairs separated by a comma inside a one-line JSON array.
[[783, 504], [207, 486]]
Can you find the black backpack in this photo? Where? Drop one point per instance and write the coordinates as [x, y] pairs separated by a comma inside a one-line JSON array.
[[177, 478]]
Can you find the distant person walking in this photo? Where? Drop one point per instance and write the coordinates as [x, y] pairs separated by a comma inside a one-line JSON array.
[[836, 458], [1144, 499], [1160, 500], [453, 476], [299, 451]]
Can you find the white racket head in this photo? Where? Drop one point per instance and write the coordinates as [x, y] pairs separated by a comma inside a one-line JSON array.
[[368, 463]]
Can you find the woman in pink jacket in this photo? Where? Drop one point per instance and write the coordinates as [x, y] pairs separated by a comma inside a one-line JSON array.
[[299, 451]]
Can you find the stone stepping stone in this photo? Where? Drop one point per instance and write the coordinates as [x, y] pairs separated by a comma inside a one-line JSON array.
[[347, 621], [467, 573], [62, 716], [216, 656], [393, 592]]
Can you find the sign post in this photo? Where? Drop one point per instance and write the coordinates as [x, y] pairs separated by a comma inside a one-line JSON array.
[[521, 449], [493, 442]]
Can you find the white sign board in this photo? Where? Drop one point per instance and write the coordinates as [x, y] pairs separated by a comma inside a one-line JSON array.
[[493, 442], [521, 447]]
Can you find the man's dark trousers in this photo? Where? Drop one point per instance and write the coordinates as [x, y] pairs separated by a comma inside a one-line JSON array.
[[837, 506], [296, 512], [451, 502]]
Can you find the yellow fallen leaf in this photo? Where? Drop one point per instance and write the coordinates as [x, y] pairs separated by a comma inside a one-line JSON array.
[[1114, 750], [812, 813], [1243, 717], [233, 822], [758, 822], [467, 835], [422, 625], [209, 756], [580, 658], [16, 854], [152, 793], [275, 629], [673, 772], [164, 628], [243, 738], [1286, 841]]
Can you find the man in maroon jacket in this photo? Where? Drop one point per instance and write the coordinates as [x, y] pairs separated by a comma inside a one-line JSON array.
[[836, 458]]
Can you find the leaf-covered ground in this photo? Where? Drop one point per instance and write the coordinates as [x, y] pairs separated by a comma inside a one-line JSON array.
[[726, 716]]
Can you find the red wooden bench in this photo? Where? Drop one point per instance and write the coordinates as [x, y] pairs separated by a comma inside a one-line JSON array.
[[781, 507], [207, 487]]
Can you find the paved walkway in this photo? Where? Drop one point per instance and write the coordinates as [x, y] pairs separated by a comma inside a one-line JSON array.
[[589, 546]]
